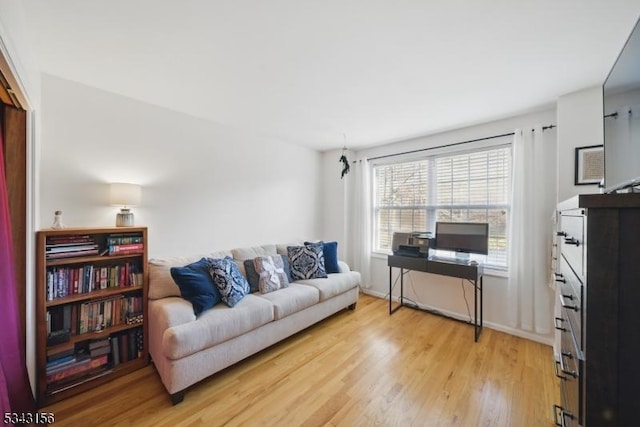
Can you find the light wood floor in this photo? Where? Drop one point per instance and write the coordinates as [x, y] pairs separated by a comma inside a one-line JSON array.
[[357, 368]]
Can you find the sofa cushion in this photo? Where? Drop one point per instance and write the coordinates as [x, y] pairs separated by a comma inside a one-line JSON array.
[[196, 285], [271, 272], [281, 248], [232, 285], [334, 285], [307, 262], [161, 284], [217, 325], [291, 299], [252, 252]]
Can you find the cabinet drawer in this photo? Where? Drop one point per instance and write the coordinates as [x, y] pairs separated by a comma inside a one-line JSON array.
[[569, 370], [573, 242], [571, 299]]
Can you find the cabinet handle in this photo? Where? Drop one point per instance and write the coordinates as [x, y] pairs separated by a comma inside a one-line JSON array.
[[565, 305], [569, 297], [572, 241], [562, 367], [561, 233], [560, 277], [557, 409], [558, 320], [555, 368]]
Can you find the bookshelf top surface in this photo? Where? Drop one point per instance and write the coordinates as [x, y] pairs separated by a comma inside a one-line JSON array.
[[90, 230]]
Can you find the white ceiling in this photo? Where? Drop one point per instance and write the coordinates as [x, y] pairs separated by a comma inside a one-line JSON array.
[[310, 71]]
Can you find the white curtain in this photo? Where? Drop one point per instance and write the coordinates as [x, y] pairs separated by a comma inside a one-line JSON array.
[[360, 222], [533, 202]]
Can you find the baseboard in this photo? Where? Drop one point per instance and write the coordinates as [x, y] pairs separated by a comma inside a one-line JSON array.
[[495, 326]]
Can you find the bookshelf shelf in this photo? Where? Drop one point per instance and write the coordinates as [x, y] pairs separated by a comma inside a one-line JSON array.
[[91, 308], [95, 295]]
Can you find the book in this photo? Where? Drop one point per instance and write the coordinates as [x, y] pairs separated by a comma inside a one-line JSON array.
[[58, 255], [78, 367], [130, 248], [124, 239]]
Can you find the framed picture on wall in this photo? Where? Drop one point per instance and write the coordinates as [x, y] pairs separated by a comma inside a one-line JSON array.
[[589, 165]]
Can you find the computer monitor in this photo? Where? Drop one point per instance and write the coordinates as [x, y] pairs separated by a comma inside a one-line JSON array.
[[463, 237]]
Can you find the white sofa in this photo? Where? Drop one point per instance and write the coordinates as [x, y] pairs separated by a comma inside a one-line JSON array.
[[186, 349]]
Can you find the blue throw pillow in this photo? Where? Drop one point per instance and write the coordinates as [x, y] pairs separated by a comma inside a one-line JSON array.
[[330, 250], [196, 285], [230, 282]]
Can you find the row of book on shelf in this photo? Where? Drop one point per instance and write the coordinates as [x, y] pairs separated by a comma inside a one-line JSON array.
[[69, 246], [71, 280], [73, 319], [90, 359]]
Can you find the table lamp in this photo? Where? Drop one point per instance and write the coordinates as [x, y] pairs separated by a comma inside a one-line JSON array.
[[125, 195]]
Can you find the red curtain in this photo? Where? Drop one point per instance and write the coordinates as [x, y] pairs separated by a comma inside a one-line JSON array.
[[15, 389]]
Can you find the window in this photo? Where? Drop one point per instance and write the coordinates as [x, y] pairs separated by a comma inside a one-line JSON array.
[[470, 187]]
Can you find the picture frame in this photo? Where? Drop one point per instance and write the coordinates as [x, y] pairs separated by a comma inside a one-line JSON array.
[[589, 168]]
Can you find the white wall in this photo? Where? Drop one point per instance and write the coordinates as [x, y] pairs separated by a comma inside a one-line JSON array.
[[334, 201], [580, 117], [15, 42], [205, 186], [444, 293]]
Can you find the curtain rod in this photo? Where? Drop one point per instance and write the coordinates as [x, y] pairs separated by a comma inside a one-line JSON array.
[[453, 144]]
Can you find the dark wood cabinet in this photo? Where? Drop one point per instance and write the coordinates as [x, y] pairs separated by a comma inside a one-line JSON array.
[[600, 323]]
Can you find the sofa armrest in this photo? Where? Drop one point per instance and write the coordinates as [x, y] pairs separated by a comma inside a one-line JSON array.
[[168, 312], [343, 267]]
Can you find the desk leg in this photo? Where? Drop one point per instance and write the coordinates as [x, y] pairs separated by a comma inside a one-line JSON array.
[[477, 326], [481, 299], [390, 290], [401, 286], [391, 309]]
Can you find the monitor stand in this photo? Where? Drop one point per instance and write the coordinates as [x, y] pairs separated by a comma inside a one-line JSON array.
[[462, 257]]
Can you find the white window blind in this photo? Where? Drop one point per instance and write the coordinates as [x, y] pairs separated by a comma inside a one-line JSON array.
[[469, 187]]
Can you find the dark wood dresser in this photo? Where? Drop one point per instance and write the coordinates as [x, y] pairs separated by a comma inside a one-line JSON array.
[[599, 278]]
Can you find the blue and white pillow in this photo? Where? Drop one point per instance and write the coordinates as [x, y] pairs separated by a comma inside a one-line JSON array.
[[306, 262], [330, 250], [230, 282]]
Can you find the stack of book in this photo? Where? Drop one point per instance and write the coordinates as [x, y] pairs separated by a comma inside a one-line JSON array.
[[72, 366], [125, 244], [70, 246]]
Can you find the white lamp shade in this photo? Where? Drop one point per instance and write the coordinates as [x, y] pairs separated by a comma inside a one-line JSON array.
[[125, 194]]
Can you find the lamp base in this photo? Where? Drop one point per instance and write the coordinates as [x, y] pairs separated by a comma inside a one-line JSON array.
[[124, 218]]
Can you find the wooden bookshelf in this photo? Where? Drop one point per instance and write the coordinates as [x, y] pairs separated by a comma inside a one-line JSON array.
[[94, 303]]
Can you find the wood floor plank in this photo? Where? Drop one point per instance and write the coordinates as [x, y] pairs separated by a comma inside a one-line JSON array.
[[356, 368]]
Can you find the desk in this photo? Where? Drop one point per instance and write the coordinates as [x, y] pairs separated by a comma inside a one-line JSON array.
[[472, 273]]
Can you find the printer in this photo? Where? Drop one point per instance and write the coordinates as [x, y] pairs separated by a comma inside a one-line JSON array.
[[414, 244]]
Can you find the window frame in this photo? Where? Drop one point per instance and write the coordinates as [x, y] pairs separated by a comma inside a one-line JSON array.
[[432, 206]]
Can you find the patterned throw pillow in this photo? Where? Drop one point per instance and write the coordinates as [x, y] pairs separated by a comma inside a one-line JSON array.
[[330, 250], [306, 262], [254, 278], [228, 279], [272, 274]]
